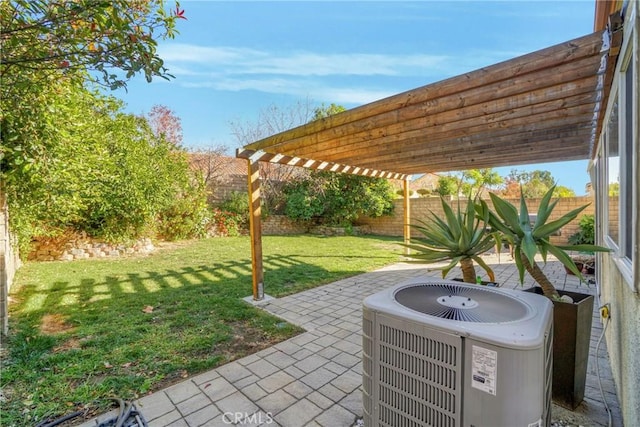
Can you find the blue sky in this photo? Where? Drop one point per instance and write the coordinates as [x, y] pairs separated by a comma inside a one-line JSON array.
[[234, 59]]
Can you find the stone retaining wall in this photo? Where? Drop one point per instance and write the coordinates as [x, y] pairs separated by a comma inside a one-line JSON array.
[[82, 247], [325, 230], [282, 225]]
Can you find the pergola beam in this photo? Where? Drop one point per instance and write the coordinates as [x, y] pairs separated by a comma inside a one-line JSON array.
[[263, 156], [544, 61]]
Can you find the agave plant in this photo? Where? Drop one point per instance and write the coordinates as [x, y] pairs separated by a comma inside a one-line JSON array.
[[527, 239], [459, 237]]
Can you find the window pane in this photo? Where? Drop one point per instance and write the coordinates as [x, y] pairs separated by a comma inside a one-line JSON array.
[[613, 169]]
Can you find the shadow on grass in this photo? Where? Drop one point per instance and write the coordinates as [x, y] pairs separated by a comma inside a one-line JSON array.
[[125, 328]]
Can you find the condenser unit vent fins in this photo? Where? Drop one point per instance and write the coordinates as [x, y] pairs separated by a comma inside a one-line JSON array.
[[462, 303], [417, 379]]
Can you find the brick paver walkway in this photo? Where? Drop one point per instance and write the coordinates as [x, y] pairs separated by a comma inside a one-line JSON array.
[[314, 379]]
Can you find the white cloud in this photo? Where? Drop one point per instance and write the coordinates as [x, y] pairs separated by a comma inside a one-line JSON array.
[[299, 88], [306, 73], [188, 53], [243, 61]]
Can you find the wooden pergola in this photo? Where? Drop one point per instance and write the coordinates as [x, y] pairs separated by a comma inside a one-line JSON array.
[[541, 107]]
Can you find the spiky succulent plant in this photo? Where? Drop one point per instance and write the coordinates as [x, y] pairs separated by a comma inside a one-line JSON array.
[[528, 239], [458, 237]]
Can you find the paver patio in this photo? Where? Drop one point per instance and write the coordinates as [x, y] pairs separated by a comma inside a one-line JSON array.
[[314, 379]]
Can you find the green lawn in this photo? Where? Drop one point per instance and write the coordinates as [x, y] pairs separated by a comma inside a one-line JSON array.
[[85, 330]]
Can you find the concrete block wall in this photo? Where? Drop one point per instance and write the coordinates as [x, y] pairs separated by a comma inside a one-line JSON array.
[[421, 208]]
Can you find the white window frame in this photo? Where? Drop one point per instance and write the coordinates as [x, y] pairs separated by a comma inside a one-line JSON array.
[[628, 264]]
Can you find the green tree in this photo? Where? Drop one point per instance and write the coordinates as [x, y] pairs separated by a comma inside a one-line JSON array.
[[447, 185], [77, 41], [325, 111], [533, 184], [41, 38], [562, 191], [55, 133], [474, 181], [614, 189]]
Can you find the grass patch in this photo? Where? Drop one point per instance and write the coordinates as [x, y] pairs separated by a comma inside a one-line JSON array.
[[83, 331]]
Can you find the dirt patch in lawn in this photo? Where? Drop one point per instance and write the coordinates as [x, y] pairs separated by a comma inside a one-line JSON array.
[[245, 340], [52, 324]]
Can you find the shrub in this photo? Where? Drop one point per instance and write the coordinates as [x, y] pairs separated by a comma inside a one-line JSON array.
[[238, 203], [586, 233], [401, 193], [226, 223], [188, 217], [103, 172], [338, 199]]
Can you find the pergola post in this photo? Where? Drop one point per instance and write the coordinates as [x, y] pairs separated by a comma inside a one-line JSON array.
[[255, 228], [407, 216]]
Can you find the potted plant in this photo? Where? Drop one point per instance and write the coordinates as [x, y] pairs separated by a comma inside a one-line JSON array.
[[572, 311], [458, 237]]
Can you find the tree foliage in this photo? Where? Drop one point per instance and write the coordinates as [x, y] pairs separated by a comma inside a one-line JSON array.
[[447, 185], [114, 40], [165, 124], [586, 231], [338, 199], [533, 184], [475, 181], [103, 171], [69, 156], [327, 110], [48, 43]]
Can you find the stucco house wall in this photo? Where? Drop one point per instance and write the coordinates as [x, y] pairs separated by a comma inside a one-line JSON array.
[[619, 272]]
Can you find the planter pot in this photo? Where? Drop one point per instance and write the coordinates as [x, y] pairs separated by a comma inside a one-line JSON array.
[[571, 339], [585, 263]]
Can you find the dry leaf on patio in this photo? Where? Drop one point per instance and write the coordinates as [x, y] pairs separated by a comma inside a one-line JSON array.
[[148, 309]]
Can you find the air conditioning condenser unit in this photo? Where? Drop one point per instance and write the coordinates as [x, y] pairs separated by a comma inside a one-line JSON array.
[[448, 354]]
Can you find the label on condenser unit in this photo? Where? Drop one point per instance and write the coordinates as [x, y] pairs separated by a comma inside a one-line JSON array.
[[484, 366]]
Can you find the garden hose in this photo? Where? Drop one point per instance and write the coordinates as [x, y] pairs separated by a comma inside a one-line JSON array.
[[60, 420], [127, 416]]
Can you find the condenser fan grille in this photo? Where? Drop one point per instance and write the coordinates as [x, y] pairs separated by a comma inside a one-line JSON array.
[[466, 303]]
